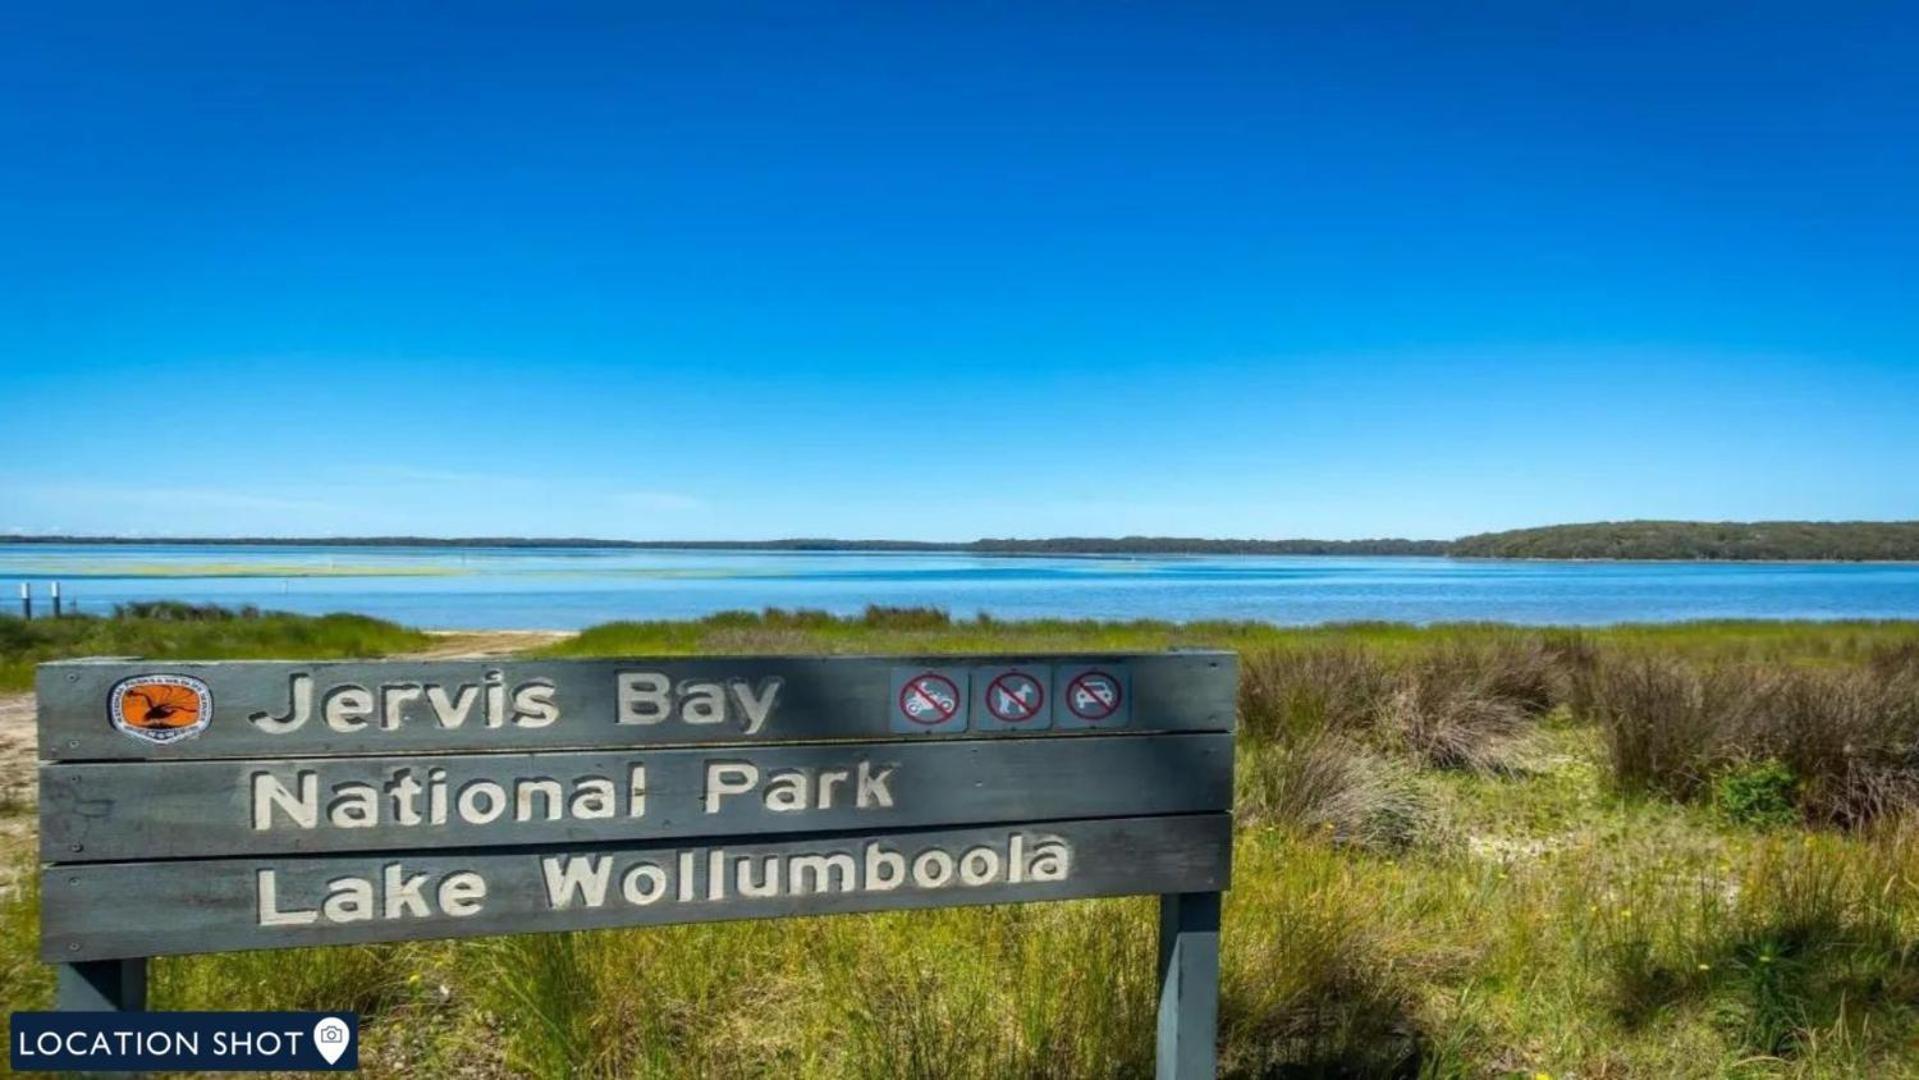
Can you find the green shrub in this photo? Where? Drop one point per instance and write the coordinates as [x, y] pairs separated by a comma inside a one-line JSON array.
[[1763, 794], [179, 611], [878, 617]]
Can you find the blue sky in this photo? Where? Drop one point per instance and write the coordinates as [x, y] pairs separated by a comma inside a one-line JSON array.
[[987, 270]]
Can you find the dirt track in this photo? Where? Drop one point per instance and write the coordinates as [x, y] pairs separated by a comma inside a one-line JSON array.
[[469, 644], [19, 786], [16, 749]]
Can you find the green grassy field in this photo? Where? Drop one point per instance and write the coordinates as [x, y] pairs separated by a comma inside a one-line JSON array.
[[1462, 851], [181, 631]]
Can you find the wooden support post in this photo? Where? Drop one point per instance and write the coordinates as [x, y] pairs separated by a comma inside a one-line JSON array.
[[102, 986], [1188, 985], [56, 599], [26, 602]]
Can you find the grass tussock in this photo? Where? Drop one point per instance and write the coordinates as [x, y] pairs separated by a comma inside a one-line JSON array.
[[1329, 786], [1847, 738], [1463, 707], [1458, 706]]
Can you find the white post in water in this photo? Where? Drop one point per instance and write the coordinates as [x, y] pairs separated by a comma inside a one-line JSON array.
[[26, 602], [56, 599]]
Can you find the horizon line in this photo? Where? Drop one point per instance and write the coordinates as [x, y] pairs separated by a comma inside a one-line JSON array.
[[1134, 542]]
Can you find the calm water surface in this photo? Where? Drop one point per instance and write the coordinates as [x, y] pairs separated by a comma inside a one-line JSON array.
[[567, 588]]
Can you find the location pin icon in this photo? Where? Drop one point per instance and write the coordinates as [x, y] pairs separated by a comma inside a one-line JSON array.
[[331, 1036]]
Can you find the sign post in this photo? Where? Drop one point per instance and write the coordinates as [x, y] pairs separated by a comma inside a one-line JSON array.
[[1188, 983], [278, 804], [102, 986]]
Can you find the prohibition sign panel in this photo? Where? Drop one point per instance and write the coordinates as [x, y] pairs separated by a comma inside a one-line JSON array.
[[929, 700], [1013, 698], [1088, 696]]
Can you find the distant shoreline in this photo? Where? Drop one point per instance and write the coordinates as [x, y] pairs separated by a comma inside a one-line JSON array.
[[1864, 542], [1065, 546], [751, 548]]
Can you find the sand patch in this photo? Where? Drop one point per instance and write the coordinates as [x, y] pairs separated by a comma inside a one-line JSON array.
[[480, 644], [18, 742]]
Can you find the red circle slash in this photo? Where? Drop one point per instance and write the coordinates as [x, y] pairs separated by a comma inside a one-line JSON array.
[[1093, 695], [936, 695], [1011, 690]]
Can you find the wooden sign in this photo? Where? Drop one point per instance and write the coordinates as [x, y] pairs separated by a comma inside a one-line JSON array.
[[250, 709], [277, 804]]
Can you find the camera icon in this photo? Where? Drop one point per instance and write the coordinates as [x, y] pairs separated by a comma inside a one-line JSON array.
[[331, 1037]]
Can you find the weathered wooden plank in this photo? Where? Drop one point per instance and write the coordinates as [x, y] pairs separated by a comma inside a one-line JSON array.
[[118, 710], [152, 810], [109, 910]]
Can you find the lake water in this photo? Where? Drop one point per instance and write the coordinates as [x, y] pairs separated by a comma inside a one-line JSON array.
[[564, 588]]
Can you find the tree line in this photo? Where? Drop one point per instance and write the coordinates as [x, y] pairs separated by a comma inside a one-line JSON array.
[[1831, 541]]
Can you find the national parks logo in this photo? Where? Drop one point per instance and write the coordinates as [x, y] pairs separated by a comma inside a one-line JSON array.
[[161, 709]]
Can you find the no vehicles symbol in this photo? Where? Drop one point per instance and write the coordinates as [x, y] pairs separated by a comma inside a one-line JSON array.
[[929, 698], [1094, 696], [1015, 697]]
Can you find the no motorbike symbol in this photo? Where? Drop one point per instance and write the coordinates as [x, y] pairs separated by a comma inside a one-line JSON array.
[[1015, 697], [929, 699]]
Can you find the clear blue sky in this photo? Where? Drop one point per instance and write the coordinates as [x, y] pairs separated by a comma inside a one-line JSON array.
[[975, 270]]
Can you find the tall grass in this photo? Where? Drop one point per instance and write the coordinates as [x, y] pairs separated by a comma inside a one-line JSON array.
[[1850, 737], [1012, 991], [1329, 786], [1318, 969], [162, 631], [1807, 939], [881, 630], [1454, 706], [1333, 733], [1464, 851], [24, 981]]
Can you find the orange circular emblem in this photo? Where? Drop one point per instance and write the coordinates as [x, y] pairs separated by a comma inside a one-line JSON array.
[[161, 708]]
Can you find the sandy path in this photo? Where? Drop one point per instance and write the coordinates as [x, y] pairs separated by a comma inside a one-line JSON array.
[[474, 644], [19, 784], [16, 749]]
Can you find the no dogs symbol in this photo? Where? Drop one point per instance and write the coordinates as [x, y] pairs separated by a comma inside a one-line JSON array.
[[1015, 697], [1093, 695], [929, 699]]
